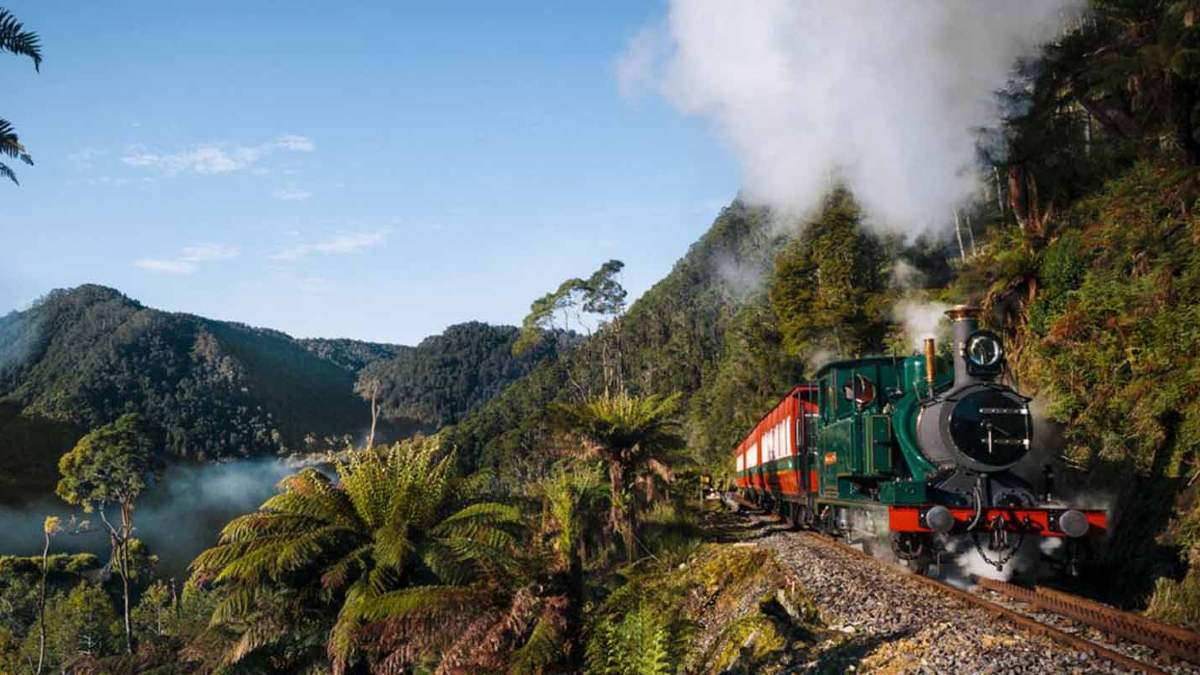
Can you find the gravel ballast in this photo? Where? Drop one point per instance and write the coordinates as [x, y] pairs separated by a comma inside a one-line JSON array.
[[882, 621]]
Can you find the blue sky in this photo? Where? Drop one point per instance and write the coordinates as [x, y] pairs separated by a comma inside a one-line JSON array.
[[371, 170]]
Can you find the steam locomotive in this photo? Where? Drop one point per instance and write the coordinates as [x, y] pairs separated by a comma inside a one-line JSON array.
[[910, 448]]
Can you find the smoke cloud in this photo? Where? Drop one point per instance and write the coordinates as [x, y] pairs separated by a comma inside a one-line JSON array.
[[887, 97]]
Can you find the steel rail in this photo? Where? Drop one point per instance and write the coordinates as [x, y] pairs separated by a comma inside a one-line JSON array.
[[1165, 638]]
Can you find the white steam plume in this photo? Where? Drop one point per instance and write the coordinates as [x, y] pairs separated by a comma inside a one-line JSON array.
[[921, 320], [886, 96]]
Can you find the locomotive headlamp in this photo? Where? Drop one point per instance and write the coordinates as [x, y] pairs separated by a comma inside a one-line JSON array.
[[939, 519], [1073, 523], [984, 349]]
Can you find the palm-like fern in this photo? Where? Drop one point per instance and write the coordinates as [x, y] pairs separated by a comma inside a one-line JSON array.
[[400, 573], [14, 39], [636, 436], [639, 643], [571, 498]]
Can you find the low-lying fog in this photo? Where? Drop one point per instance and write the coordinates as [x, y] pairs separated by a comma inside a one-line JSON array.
[[178, 516]]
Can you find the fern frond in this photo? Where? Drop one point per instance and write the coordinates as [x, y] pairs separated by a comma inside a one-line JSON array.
[[445, 564], [545, 645], [483, 513], [257, 635], [16, 40], [341, 572], [415, 601], [268, 524], [237, 602]]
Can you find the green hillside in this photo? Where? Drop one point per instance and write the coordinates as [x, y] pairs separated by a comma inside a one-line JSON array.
[[217, 389], [676, 337], [449, 375], [725, 328], [81, 357]]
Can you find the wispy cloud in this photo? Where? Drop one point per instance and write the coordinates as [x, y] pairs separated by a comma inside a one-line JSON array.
[[205, 252], [315, 285], [342, 244], [637, 68], [188, 259], [291, 194], [85, 159], [165, 266], [295, 143], [215, 158]]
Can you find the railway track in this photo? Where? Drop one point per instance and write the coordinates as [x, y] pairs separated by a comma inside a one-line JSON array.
[[1163, 638], [1049, 608]]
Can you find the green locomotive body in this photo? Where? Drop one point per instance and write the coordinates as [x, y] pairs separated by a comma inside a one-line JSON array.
[[913, 447]]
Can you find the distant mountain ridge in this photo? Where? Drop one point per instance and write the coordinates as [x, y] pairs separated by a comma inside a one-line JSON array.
[[81, 357], [88, 354], [353, 355], [450, 375]]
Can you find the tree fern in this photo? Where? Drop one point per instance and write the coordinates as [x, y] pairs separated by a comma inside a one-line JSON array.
[[637, 437], [385, 557]]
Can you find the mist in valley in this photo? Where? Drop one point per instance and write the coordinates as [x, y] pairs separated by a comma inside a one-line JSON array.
[[178, 516]]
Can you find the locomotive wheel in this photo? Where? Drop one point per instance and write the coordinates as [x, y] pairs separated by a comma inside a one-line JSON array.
[[795, 515], [914, 549]]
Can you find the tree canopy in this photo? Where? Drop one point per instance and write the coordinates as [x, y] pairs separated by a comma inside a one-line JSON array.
[[829, 289], [110, 465]]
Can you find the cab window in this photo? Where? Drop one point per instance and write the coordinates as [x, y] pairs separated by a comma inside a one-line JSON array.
[[859, 390]]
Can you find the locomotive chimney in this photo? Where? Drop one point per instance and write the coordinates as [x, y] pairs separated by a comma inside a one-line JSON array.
[[930, 355], [964, 320]]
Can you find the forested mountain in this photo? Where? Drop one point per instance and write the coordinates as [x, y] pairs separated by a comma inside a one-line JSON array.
[[676, 337], [448, 375], [353, 355], [85, 356], [80, 358]]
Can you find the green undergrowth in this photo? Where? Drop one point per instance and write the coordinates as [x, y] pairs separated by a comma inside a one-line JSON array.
[[725, 608]]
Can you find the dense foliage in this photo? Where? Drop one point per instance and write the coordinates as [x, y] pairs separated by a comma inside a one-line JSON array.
[[353, 355], [406, 568], [829, 286], [447, 376]]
